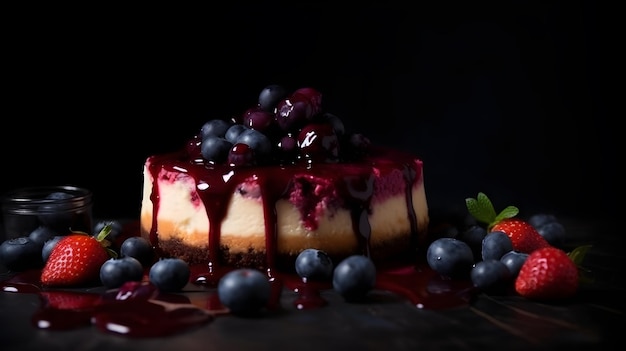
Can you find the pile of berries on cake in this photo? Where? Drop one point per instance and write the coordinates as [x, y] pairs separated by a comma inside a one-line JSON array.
[[282, 128]]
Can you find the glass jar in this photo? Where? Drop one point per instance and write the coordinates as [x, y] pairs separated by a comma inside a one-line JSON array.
[[61, 208]]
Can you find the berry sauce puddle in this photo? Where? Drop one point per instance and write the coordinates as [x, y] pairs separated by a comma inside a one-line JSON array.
[[138, 309]]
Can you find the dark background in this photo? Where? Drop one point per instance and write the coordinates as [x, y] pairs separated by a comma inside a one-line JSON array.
[[511, 100]]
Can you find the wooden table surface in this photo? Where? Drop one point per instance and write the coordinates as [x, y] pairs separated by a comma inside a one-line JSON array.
[[593, 318]]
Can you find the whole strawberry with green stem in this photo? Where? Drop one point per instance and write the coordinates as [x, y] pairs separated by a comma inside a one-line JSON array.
[[550, 273], [524, 236], [76, 259]]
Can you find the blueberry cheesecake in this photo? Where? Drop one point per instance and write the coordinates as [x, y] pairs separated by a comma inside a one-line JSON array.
[[286, 175]]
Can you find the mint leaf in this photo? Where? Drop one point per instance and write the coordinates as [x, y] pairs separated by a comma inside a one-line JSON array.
[[486, 206], [472, 206], [509, 212], [481, 208], [578, 254]]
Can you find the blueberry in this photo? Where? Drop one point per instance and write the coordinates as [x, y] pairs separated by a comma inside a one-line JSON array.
[[539, 219], [270, 96], [241, 155], [314, 264], [116, 228], [259, 119], [214, 128], [288, 144], [169, 274], [287, 149], [490, 275], [318, 142], [446, 230], [20, 254], [116, 271], [466, 220], [336, 123], [233, 132], [138, 247], [48, 246], [258, 141], [215, 149], [56, 214], [514, 260], [450, 257], [293, 112], [313, 96], [59, 195], [553, 232], [42, 234], [474, 236], [359, 143], [496, 244], [354, 277], [244, 291]]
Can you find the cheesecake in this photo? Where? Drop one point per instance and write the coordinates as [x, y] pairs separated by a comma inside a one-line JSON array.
[[256, 190]]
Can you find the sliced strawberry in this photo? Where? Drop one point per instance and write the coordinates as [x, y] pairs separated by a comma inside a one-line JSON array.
[[548, 273], [524, 236]]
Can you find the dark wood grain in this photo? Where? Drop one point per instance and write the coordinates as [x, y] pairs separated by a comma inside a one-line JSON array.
[[593, 318]]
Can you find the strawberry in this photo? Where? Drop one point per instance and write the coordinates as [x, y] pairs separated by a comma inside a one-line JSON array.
[[547, 274], [70, 300], [76, 259], [524, 236]]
